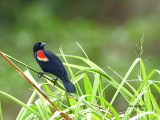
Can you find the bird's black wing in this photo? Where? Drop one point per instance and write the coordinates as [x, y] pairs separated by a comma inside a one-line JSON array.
[[54, 65]]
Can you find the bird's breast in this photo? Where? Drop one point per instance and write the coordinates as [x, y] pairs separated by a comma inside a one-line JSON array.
[[41, 56]]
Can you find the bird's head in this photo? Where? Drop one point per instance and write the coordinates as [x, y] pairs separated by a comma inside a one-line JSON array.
[[38, 46]]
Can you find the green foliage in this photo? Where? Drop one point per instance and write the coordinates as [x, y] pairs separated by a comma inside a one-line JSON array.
[[1, 112], [91, 103]]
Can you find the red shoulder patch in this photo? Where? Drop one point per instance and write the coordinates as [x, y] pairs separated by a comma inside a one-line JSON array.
[[40, 54]]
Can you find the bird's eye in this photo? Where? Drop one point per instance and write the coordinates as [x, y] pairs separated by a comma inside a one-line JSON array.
[[39, 43]]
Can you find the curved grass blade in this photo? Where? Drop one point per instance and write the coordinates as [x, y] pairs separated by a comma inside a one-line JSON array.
[[123, 90], [21, 103], [154, 103], [129, 110], [131, 87], [88, 62], [88, 87], [91, 116], [71, 72], [141, 115], [95, 87], [82, 50], [157, 87], [124, 79], [42, 108], [1, 116], [95, 111], [24, 110]]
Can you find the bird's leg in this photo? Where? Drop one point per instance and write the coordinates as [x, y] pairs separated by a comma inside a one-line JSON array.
[[55, 80], [40, 74]]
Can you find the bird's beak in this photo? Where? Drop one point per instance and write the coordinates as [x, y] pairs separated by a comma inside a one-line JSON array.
[[43, 44]]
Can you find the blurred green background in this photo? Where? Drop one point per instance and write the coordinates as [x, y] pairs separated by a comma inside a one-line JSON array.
[[108, 30]]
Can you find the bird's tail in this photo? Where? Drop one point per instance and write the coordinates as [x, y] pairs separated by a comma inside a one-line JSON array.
[[69, 86]]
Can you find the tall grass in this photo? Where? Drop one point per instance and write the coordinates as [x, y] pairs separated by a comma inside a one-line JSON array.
[[91, 104], [1, 112]]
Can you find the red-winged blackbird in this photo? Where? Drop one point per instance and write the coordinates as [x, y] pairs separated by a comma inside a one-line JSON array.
[[50, 63]]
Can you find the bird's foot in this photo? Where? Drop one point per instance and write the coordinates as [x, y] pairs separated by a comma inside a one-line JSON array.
[[55, 80], [40, 74]]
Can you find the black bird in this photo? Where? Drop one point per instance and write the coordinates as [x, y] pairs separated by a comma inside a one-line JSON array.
[[50, 63]]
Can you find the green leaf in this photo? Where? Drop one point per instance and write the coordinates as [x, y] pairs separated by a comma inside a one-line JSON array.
[[95, 87], [91, 116], [101, 91], [21, 103], [129, 110], [88, 87], [124, 79], [47, 89], [42, 108], [148, 104], [157, 87], [155, 104], [78, 107], [95, 110], [143, 70], [1, 116], [82, 50], [141, 115], [23, 111], [70, 70], [123, 90], [75, 80]]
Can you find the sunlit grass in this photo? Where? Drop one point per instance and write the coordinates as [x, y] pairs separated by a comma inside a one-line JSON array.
[[92, 104]]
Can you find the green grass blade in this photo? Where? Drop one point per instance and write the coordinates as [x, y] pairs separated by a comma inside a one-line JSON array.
[[75, 79], [96, 71], [151, 74], [155, 104], [82, 50], [101, 91], [78, 88], [93, 108], [142, 84], [70, 70], [47, 89], [95, 87], [157, 87], [24, 110], [124, 80], [1, 116], [42, 108], [76, 66], [30, 117], [88, 87], [78, 107], [80, 99], [141, 115], [21, 103], [87, 61], [72, 101], [123, 90], [91, 116], [129, 110], [100, 71], [131, 87], [148, 104], [143, 70]]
